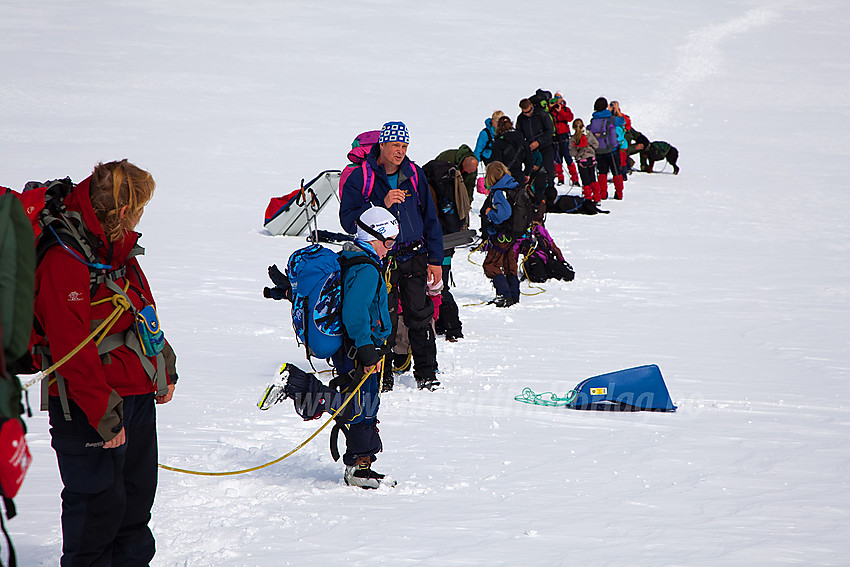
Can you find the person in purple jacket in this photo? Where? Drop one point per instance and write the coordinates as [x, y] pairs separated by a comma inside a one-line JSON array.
[[604, 127], [389, 179]]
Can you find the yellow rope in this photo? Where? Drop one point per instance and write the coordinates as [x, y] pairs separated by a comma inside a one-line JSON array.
[[121, 305], [279, 459], [524, 271]]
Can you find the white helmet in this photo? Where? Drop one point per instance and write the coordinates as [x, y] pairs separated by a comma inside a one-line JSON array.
[[376, 223]]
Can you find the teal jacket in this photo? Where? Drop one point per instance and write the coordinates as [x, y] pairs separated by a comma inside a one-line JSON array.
[[365, 315]]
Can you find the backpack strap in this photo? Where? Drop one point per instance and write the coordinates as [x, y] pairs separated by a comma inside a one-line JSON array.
[[11, 512], [369, 181]]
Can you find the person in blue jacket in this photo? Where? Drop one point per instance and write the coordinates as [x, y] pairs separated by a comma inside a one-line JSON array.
[[367, 325], [484, 144], [387, 178]]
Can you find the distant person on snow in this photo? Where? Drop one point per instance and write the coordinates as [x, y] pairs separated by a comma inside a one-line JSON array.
[[536, 125], [484, 143], [512, 150], [450, 197], [624, 124], [500, 264], [464, 159], [561, 118], [604, 126], [583, 146], [392, 181]]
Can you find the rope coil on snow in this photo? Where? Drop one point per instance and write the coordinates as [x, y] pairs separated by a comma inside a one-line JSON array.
[[545, 398]]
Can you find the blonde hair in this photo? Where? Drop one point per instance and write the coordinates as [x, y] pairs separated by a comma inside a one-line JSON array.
[[114, 186], [578, 128], [494, 172], [496, 115]]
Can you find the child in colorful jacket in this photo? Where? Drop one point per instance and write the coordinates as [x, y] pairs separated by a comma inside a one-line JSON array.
[[583, 150], [500, 264]]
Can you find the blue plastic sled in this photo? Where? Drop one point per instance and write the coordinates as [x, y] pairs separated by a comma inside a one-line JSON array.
[[633, 389]]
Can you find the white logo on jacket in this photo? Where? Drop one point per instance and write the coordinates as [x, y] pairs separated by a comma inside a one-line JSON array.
[[75, 296]]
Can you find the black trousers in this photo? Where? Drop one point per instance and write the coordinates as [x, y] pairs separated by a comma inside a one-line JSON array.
[[548, 155], [608, 162], [409, 279], [108, 493], [449, 320]]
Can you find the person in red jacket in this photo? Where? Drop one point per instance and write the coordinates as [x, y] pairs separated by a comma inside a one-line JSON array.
[[101, 401], [561, 117]]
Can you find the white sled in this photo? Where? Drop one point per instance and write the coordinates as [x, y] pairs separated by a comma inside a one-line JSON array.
[[291, 215]]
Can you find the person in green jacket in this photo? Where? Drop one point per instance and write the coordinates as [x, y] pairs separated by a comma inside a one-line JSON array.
[[465, 160]]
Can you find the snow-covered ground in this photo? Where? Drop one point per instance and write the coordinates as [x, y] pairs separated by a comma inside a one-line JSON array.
[[732, 277]]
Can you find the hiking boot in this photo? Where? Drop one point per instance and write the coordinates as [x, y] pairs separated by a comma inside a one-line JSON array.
[[429, 383], [387, 377], [503, 301], [453, 335], [362, 475]]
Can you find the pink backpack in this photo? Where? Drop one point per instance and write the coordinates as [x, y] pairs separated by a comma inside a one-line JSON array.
[[360, 148]]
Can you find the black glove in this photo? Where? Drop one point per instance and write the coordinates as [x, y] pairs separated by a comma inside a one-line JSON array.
[[277, 277], [368, 355], [276, 293], [282, 287]]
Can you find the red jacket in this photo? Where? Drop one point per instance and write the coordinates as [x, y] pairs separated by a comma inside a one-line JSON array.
[[562, 116], [63, 308]]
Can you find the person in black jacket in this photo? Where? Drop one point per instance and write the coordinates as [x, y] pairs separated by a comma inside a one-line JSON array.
[[510, 148], [443, 177], [536, 125]]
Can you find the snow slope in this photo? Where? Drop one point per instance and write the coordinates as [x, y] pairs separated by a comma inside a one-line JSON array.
[[732, 277]]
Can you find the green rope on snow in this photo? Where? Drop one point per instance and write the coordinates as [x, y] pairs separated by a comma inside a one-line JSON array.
[[545, 398]]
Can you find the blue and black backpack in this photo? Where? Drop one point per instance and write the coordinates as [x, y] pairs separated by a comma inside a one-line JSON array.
[[315, 274]]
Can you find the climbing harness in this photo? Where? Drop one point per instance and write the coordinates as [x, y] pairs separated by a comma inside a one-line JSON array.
[[121, 304]]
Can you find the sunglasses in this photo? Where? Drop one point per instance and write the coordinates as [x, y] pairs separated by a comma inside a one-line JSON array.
[[389, 242]]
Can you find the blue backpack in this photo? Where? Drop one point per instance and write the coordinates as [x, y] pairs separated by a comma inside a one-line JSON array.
[[315, 274]]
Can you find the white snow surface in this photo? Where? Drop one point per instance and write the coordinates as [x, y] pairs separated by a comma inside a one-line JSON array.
[[732, 276]]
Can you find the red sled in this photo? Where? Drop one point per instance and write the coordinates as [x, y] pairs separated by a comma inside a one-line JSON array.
[[290, 215]]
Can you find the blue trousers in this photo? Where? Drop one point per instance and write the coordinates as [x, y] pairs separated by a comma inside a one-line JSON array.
[[108, 493], [361, 438]]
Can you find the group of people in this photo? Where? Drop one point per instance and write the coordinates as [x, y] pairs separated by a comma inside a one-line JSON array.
[[401, 212], [547, 134], [101, 403]]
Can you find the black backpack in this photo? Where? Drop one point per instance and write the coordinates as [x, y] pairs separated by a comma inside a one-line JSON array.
[[439, 176], [541, 99], [522, 209]]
